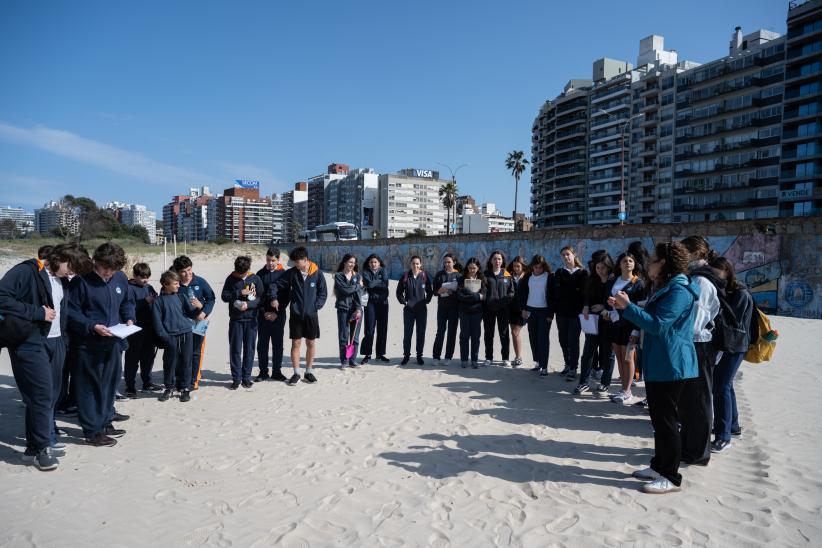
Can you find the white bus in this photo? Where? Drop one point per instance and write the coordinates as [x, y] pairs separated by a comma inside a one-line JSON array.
[[337, 231]]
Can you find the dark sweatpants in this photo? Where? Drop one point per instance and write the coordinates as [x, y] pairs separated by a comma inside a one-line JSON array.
[[175, 363], [376, 318], [568, 329], [500, 318], [448, 318], [242, 336], [55, 348], [539, 329], [68, 386], [270, 335], [470, 325], [696, 408], [98, 372], [32, 373], [664, 403], [140, 354], [597, 351], [414, 316]]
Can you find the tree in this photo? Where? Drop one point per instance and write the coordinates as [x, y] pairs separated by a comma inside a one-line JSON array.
[[416, 233], [448, 197], [516, 163], [8, 229]]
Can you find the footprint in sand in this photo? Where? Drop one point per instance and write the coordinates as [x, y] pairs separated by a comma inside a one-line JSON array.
[[503, 535], [170, 496], [562, 523], [207, 536], [388, 509], [438, 539]]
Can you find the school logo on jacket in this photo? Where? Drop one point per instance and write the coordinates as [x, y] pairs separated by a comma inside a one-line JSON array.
[[196, 288], [312, 284], [118, 290]]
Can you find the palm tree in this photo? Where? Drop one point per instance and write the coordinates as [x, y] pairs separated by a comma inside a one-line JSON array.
[[448, 197], [516, 162]]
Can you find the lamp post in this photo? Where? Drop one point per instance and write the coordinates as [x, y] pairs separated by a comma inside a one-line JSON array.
[[622, 215], [453, 180]]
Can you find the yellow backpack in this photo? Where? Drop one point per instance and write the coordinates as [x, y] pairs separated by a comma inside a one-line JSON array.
[[763, 338]]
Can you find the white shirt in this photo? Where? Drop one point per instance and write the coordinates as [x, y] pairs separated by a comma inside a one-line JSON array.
[[57, 297], [619, 285], [537, 286]]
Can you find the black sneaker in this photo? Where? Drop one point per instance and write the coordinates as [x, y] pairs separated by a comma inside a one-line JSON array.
[[278, 376], [151, 387], [234, 385], [247, 384], [310, 378], [131, 392], [565, 371], [166, 394], [185, 396], [571, 375], [44, 460], [119, 417], [120, 397], [365, 360], [405, 360], [295, 378], [112, 432], [263, 376], [536, 368], [581, 389], [100, 440], [383, 359], [737, 432], [718, 446], [420, 361]]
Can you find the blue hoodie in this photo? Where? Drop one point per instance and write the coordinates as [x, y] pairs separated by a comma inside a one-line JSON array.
[[668, 352]]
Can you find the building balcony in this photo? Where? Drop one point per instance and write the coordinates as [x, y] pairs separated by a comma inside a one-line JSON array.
[[626, 90], [726, 204]]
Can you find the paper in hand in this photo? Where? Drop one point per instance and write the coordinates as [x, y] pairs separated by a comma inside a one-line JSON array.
[[122, 330], [591, 325], [200, 327]]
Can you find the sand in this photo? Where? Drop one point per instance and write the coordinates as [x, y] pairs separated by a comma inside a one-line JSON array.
[[418, 456]]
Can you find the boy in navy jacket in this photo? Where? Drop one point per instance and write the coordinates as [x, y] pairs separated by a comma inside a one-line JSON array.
[[196, 291], [173, 329], [271, 323], [308, 292], [242, 291], [141, 348], [99, 300]]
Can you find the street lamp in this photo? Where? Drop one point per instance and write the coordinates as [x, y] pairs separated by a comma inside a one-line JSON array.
[[453, 180], [622, 215]]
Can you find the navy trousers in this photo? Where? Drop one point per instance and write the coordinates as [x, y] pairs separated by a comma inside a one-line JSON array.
[[98, 371], [597, 351], [414, 316], [376, 318], [569, 330], [32, 373], [140, 354], [696, 408], [500, 318], [539, 327], [344, 332], [56, 352], [270, 335], [176, 372], [470, 326], [448, 319], [726, 415], [241, 338]]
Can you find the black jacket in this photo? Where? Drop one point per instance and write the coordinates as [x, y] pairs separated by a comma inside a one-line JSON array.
[[348, 293], [441, 277], [94, 301], [233, 291], [413, 293], [269, 278], [515, 308], [500, 290], [470, 302], [20, 296], [635, 291], [742, 303], [307, 296], [141, 305], [376, 283], [169, 318], [568, 291]]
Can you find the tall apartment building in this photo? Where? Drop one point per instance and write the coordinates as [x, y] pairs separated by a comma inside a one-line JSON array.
[[56, 215], [191, 217], [800, 188], [353, 199], [295, 211], [136, 214], [409, 200], [242, 216], [24, 221], [317, 186], [277, 217]]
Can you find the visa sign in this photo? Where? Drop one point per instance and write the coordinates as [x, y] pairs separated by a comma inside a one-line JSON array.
[[424, 173]]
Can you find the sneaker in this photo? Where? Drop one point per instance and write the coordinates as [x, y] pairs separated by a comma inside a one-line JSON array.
[[234, 385], [571, 375], [565, 371], [475, 365], [517, 362], [486, 363], [151, 387], [295, 378], [446, 362], [602, 389], [247, 384], [112, 432], [420, 361], [263, 376], [506, 363], [101, 440], [463, 364], [28, 455], [437, 361], [536, 368], [310, 378], [58, 449], [278, 376], [352, 363], [647, 474], [718, 446], [343, 365], [131, 392], [621, 397], [581, 389], [383, 359], [405, 360], [364, 360], [166, 394], [120, 397], [185, 396], [44, 460], [543, 372], [737, 432], [119, 417], [659, 486]]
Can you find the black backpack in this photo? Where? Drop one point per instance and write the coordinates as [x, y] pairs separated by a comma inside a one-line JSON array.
[[728, 334], [15, 330]]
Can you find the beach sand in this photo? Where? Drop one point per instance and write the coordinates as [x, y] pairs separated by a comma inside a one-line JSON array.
[[417, 456]]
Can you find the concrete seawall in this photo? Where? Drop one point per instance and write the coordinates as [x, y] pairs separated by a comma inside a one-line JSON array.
[[779, 259]]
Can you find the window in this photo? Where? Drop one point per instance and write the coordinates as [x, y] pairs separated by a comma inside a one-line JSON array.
[[808, 89], [808, 109], [802, 208], [806, 149], [804, 170], [806, 129]]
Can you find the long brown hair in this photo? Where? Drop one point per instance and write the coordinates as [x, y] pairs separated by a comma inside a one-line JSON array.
[[521, 261], [721, 263], [577, 262], [539, 260], [676, 257]]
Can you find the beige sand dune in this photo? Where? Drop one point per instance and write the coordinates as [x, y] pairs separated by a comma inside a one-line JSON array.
[[418, 456]]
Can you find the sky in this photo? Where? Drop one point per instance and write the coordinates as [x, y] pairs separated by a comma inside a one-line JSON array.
[[138, 101]]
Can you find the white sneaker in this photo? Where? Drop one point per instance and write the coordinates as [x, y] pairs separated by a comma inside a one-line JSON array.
[[648, 474], [517, 362], [486, 363], [660, 486], [438, 362], [506, 363]]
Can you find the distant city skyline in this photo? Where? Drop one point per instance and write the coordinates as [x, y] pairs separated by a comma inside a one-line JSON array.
[[139, 102]]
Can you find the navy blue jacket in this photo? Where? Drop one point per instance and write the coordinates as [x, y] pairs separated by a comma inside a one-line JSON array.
[[202, 290], [141, 305], [94, 301], [269, 278], [414, 293], [500, 290], [169, 318], [20, 296], [348, 293], [307, 296], [233, 291], [442, 277], [568, 292], [470, 302], [376, 284]]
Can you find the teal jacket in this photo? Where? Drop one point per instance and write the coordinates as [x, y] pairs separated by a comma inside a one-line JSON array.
[[668, 352]]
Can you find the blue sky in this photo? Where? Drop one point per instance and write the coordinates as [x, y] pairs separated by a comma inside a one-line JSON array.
[[136, 101]]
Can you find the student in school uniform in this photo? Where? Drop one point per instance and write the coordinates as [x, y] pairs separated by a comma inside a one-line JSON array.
[[569, 295], [271, 323], [375, 282], [242, 291], [447, 310], [500, 293], [518, 269], [537, 308], [414, 292], [348, 290], [141, 345], [197, 291], [173, 329], [471, 311], [101, 299], [597, 349]]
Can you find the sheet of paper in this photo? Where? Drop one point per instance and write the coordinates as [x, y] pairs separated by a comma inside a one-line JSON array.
[[122, 330], [591, 325], [473, 285], [450, 286], [200, 327], [614, 316]]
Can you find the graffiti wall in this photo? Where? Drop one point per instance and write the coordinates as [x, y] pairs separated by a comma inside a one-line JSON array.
[[782, 269]]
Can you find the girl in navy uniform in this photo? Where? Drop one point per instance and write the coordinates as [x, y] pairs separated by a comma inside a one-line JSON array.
[[597, 349], [447, 311], [569, 295], [537, 305], [500, 293], [375, 283], [348, 291], [414, 292], [517, 269], [471, 311]]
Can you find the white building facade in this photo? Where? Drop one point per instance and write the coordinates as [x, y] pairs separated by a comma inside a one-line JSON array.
[[409, 200]]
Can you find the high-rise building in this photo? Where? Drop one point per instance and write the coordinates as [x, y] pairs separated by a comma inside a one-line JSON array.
[[800, 188], [191, 217], [23, 221], [136, 214], [317, 186], [242, 216], [56, 215], [353, 199], [409, 200], [487, 219], [295, 209], [277, 217]]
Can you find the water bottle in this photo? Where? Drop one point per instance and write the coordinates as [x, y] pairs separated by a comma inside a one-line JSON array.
[[190, 294]]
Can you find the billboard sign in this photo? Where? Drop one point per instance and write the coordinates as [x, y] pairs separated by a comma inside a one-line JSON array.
[[245, 183]]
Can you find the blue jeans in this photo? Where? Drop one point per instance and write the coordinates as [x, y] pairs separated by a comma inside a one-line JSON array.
[[448, 317], [726, 417], [600, 345], [539, 327], [569, 330]]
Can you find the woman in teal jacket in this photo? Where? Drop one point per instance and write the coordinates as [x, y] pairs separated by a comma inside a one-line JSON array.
[[668, 357]]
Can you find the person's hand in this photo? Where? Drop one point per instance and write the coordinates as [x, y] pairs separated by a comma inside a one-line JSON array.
[[150, 299], [201, 316], [620, 301], [597, 308], [102, 330], [130, 322], [634, 340], [525, 314], [605, 316], [270, 316], [195, 302], [243, 306], [247, 290], [275, 304], [585, 312], [50, 314]]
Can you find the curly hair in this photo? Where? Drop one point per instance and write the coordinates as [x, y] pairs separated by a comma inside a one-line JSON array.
[[676, 257], [110, 255]]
